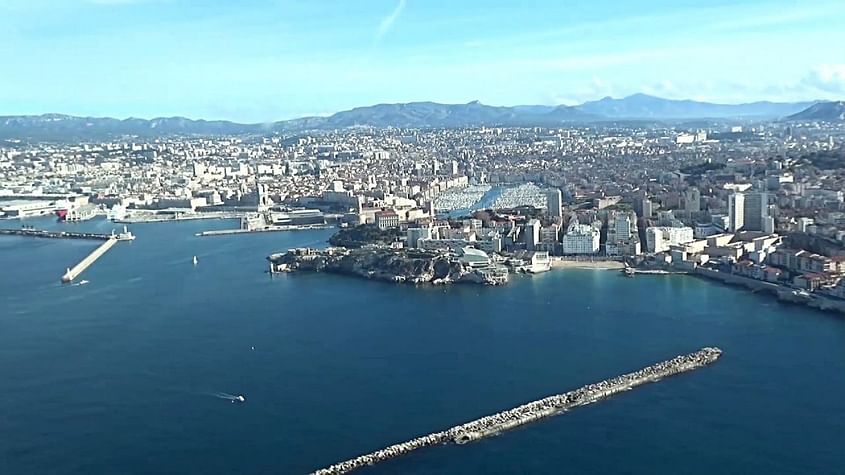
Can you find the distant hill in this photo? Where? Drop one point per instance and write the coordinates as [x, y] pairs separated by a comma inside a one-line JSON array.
[[643, 106], [410, 115], [66, 127], [57, 127], [822, 112], [432, 114]]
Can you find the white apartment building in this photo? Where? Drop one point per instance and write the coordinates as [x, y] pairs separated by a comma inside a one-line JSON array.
[[581, 239], [659, 238]]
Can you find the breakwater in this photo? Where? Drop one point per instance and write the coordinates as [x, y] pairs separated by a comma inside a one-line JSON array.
[[267, 229], [39, 233], [533, 411], [74, 271]]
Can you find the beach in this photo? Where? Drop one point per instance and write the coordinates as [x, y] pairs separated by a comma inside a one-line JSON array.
[[558, 263]]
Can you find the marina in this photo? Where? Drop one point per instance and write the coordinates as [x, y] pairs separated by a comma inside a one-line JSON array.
[[533, 411]]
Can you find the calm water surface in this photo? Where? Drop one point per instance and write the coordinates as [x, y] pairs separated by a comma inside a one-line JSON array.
[[120, 376]]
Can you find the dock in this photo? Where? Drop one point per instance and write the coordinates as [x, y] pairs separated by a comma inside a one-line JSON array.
[[533, 411]]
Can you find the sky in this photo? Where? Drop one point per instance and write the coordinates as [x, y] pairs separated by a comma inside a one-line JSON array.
[[259, 61]]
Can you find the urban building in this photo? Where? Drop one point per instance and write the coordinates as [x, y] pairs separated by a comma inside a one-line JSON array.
[[736, 212], [660, 238], [581, 239]]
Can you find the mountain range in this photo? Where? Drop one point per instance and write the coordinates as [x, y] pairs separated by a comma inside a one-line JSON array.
[[420, 115]]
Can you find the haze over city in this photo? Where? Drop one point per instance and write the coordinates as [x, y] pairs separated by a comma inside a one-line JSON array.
[[257, 61]]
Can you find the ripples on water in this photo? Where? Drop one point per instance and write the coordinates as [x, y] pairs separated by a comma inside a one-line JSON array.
[[115, 376]]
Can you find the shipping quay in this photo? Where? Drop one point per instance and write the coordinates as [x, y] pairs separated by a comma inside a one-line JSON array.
[[533, 411]]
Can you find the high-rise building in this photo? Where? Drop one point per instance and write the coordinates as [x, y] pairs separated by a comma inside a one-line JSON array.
[[622, 234], [692, 200], [755, 211], [647, 208], [736, 212], [554, 203], [621, 227], [532, 234]]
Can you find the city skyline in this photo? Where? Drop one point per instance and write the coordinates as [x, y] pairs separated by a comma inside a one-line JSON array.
[[264, 61]]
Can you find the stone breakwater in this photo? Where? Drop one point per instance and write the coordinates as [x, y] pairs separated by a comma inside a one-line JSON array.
[[533, 411]]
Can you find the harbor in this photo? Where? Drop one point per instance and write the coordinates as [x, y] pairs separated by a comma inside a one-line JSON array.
[[533, 411]]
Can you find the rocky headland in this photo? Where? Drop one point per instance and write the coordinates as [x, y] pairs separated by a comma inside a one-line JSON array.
[[413, 266]]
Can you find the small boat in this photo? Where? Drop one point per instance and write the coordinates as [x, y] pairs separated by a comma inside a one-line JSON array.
[[629, 272], [240, 399], [82, 282], [195, 260]]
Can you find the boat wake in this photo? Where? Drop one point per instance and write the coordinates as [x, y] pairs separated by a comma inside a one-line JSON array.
[[230, 397]]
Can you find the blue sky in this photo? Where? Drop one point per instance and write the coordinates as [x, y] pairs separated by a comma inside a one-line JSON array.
[[256, 61]]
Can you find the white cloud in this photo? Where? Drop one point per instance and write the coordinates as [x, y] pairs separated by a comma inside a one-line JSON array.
[[827, 78], [387, 22]]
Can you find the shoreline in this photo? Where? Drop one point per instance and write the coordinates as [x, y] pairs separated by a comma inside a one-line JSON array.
[[589, 265]]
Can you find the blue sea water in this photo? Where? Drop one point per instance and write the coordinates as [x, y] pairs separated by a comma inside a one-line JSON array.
[[120, 376]]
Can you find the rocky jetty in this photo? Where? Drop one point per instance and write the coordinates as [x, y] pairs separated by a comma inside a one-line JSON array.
[[392, 265], [534, 411]]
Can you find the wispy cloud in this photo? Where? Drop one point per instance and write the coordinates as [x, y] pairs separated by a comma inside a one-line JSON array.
[[387, 22], [827, 78]]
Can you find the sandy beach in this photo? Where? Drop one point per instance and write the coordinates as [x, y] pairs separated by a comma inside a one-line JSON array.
[[569, 264]]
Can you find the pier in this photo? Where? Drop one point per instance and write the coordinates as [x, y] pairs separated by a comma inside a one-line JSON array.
[[109, 240], [533, 411], [73, 272]]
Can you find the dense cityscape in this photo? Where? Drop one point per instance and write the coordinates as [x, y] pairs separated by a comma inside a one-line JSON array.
[[422, 237], [752, 201]]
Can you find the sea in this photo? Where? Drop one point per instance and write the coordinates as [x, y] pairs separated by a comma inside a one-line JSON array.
[[133, 372]]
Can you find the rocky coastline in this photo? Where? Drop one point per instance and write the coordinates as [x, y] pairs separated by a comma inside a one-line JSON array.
[[412, 266]]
